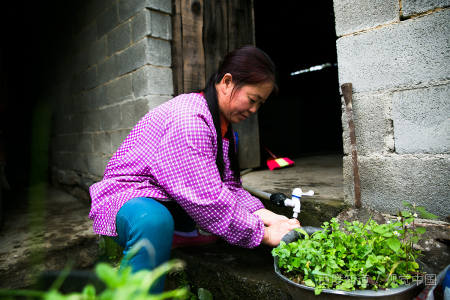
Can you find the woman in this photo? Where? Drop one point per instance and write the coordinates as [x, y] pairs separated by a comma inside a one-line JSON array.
[[177, 170]]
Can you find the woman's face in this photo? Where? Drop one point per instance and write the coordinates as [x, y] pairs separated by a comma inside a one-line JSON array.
[[244, 102]]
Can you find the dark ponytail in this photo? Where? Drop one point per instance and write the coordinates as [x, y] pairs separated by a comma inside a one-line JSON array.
[[247, 65]]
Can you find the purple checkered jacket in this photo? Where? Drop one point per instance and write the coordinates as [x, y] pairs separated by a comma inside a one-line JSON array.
[[171, 154]]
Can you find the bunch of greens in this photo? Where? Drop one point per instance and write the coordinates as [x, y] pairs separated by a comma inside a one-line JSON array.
[[362, 256]]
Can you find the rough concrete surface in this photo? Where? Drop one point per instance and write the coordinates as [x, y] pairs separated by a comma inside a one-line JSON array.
[[322, 174], [412, 7], [422, 120], [354, 16], [388, 180], [397, 55], [65, 235], [231, 272], [372, 116]]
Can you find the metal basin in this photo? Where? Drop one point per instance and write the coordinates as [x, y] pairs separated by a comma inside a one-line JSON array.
[[303, 292]]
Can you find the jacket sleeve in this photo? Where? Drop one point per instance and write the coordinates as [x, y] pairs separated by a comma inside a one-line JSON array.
[[244, 198], [185, 168]]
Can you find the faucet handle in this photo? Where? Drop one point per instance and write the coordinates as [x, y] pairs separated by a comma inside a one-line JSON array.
[[309, 193], [298, 193]]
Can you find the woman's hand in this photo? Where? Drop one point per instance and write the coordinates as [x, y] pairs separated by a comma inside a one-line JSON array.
[[269, 218], [273, 234]]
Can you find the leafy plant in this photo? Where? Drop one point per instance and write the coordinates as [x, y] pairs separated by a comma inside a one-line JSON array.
[[203, 294], [361, 256], [119, 286]]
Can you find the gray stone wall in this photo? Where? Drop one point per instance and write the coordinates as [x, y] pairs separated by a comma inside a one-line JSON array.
[[397, 56], [111, 65]]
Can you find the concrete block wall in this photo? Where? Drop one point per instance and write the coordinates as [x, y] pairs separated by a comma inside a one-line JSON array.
[[112, 66], [396, 54]]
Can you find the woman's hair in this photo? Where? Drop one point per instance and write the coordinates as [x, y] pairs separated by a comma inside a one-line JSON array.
[[247, 65]]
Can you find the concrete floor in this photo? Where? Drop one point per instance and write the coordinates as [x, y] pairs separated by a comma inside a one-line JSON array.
[[322, 174], [31, 243], [66, 230]]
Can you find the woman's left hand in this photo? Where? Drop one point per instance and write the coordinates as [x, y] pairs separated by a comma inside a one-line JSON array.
[[269, 218]]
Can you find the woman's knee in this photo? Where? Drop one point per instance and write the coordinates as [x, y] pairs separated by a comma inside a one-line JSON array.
[[145, 217]]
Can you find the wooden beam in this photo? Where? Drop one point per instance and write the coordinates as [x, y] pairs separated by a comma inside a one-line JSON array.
[[240, 33], [193, 52], [177, 49], [215, 36], [240, 24]]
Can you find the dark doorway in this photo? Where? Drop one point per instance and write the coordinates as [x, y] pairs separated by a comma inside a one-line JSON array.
[[305, 118]]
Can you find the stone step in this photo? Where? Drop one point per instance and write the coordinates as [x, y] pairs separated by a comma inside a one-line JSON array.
[[231, 272]]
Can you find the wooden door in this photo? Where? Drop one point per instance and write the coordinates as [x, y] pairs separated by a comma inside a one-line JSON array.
[[203, 33]]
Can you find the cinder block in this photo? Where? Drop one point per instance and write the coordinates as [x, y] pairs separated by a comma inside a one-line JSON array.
[[57, 143], [158, 52], [89, 78], [80, 62], [412, 7], [354, 16], [128, 8], [119, 38], [132, 57], [96, 164], [372, 116], [55, 159], [120, 90], [110, 118], [80, 163], [98, 97], [107, 20], [66, 160], [65, 108], [152, 80], [386, 181], [85, 143], [422, 120], [68, 142], [118, 137], [107, 70], [406, 53], [156, 100], [82, 102], [128, 113], [97, 52], [161, 25], [69, 88], [86, 37], [92, 121], [102, 142], [162, 5], [76, 123], [66, 70], [141, 25]]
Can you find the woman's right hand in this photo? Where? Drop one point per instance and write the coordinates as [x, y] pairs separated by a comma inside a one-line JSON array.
[[273, 234]]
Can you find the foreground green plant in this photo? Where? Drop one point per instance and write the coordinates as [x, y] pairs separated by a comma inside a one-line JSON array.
[[119, 286], [203, 294], [362, 256]]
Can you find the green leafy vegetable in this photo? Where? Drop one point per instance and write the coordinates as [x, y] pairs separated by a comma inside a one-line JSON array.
[[358, 256]]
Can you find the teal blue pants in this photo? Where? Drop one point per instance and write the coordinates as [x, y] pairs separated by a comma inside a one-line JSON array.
[[146, 218]]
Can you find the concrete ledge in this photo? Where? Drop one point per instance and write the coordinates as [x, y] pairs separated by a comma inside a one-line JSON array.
[[231, 272]]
